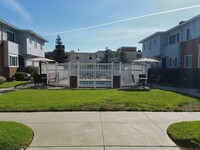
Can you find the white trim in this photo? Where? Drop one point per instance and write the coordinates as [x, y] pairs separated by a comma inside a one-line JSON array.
[[9, 61], [185, 61], [11, 33]]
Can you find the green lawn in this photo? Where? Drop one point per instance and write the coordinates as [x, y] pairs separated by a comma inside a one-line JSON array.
[[12, 84], [185, 134], [95, 100], [14, 136]]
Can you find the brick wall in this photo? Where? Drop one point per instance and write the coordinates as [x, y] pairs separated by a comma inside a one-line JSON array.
[[10, 71], [190, 48]]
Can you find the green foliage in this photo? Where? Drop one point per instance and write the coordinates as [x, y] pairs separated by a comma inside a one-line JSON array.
[[185, 134], [14, 136], [180, 77], [122, 57], [107, 56], [29, 69], [21, 76], [87, 99], [1, 80], [59, 52], [12, 84]]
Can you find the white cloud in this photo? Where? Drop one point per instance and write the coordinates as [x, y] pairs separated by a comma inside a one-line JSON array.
[[15, 6]]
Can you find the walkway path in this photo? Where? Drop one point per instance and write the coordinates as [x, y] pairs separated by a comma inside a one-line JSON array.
[[6, 90], [192, 92], [100, 130]]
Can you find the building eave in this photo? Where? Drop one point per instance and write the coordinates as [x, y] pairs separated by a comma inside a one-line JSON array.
[[23, 30], [150, 36]]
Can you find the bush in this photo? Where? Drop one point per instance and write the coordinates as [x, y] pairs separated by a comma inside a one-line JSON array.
[[180, 76], [2, 79], [29, 69], [21, 76]]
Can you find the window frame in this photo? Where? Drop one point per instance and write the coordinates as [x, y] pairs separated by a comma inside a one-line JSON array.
[[16, 61], [13, 35], [186, 64], [188, 34]]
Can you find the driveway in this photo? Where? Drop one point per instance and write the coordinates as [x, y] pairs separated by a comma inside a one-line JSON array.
[[100, 130]]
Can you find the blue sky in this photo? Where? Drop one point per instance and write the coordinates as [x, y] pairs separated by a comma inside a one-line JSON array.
[[47, 17]]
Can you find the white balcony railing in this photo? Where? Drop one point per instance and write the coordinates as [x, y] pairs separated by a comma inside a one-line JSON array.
[[11, 47]]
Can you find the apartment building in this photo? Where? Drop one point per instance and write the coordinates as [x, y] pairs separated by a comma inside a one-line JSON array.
[[131, 54], [178, 47], [17, 46]]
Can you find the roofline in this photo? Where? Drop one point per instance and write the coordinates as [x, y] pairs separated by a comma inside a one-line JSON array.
[[156, 33], [175, 27], [182, 24], [34, 33], [23, 30]]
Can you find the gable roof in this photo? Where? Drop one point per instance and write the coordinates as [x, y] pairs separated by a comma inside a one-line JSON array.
[[182, 23], [23, 30], [150, 36]]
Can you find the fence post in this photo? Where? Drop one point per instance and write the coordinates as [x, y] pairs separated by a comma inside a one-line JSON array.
[[69, 73], [120, 73], [56, 69], [112, 74], [47, 69], [95, 73], [78, 71]]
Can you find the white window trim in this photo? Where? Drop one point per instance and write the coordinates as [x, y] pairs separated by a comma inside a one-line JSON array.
[[7, 35], [17, 60], [174, 58], [185, 61]]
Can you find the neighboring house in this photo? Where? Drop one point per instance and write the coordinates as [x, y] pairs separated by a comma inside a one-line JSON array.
[[79, 57], [178, 47], [17, 46], [130, 52]]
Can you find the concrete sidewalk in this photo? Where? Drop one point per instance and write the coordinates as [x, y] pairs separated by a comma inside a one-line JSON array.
[[100, 130]]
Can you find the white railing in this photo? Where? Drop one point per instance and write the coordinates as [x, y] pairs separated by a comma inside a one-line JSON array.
[[92, 74]]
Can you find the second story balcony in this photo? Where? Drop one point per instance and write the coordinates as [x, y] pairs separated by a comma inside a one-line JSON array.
[[11, 47]]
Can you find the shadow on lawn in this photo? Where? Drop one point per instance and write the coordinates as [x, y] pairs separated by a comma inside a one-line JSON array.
[[135, 90]]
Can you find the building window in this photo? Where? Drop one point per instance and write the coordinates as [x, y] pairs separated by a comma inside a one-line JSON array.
[[13, 60], [41, 47], [174, 38], [77, 57], [90, 58], [177, 37], [144, 47], [35, 44], [188, 61], [174, 62], [150, 45], [155, 42], [30, 41], [10, 36], [188, 34]]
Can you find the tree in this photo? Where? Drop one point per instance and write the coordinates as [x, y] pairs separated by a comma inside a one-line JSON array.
[[107, 56], [59, 52], [122, 57]]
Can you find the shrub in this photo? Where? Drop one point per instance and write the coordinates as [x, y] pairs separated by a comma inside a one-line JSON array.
[[180, 76], [29, 69], [21, 76], [2, 79]]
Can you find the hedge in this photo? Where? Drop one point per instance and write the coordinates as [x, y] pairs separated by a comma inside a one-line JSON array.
[[180, 76]]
